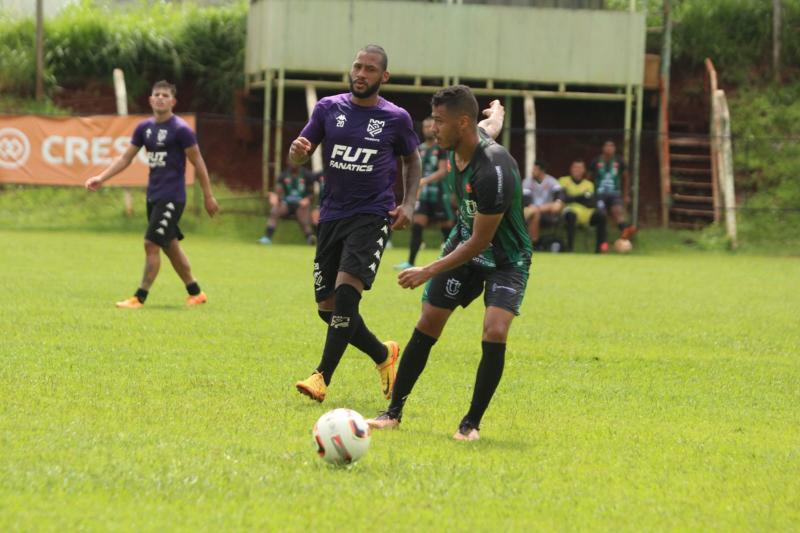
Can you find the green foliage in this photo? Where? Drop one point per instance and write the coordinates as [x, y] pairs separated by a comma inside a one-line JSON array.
[[735, 34], [213, 44], [678, 413], [766, 128], [149, 41], [18, 57], [12, 104]]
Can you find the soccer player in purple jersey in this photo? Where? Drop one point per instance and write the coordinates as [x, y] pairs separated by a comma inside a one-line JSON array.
[[168, 140], [363, 136]]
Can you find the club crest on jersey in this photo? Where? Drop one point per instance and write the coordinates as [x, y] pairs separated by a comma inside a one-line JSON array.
[[340, 120], [375, 126], [470, 208], [452, 287], [162, 134]]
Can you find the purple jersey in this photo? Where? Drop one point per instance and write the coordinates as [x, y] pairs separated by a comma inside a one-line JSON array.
[[165, 143], [361, 146]]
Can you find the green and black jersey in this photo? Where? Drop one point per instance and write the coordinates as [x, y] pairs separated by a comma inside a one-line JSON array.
[[295, 186], [490, 185], [430, 156]]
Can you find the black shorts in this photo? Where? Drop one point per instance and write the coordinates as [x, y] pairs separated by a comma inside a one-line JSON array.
[[163, 217], [436, 211], [353, 245], [503, 288], [607, 200], [291, 209]]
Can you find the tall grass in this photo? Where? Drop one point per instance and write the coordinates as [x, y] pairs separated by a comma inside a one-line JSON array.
[[87, 40]]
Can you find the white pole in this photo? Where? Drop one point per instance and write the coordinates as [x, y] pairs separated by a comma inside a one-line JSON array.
[[122, 110], [726, 170], [311, 101], [120, 92], [530, 135]]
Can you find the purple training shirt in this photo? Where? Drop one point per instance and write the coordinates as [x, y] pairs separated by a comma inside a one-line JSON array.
[[360, 151], [166, 144]]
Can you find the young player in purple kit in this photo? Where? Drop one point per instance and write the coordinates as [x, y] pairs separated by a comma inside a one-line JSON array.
[[168, 141], [363, 136]]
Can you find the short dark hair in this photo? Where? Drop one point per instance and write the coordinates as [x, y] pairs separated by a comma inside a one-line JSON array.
[[539, 163], [377, 49], [578, 160], [164, 84], [458, 98]]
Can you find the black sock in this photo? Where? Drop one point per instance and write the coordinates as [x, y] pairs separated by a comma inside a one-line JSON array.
[[325, 316], [363, 339], [141, 295], [270, 232], [415, 242], [413, 362], [446, 233], [598, 219], [572, 220], [344, 321], [193, 288], [622, 226], [489, 373]]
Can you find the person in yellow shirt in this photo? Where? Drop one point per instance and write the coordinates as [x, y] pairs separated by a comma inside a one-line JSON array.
[[581, 205]]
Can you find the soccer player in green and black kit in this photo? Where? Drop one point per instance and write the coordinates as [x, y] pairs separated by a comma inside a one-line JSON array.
[[489, 251], [433, 204], [294, 191]]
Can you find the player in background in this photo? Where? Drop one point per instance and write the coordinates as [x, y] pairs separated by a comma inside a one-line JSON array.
[[433, 204], [292, 197], [489, 251], [611, 187], [541, 200], [169, 141], [363, 135], [580, 207]]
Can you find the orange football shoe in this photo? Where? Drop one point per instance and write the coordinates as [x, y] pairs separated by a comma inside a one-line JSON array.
[[388, 369], [197, 299], [130, 303]]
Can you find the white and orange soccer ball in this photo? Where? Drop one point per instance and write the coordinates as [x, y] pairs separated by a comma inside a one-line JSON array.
[[623, 246], [342, 436]]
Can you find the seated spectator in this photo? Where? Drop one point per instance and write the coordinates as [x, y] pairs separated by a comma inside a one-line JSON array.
[[611, 187], [291, 199], [580, 206], [541, 199]]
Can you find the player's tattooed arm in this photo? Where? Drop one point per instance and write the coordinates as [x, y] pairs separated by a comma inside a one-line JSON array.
[[412, 172], [493, 123], [483, 229]]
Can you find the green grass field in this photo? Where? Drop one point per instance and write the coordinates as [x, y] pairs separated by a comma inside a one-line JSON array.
[[649, 392]]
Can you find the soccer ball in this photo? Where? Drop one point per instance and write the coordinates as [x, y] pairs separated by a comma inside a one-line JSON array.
[[623, 246], [342, 436]]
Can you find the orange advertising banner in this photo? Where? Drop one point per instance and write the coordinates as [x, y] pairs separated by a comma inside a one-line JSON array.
[[43, 150]]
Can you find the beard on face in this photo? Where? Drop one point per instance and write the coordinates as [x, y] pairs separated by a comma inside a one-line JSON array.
[[366, 93]]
